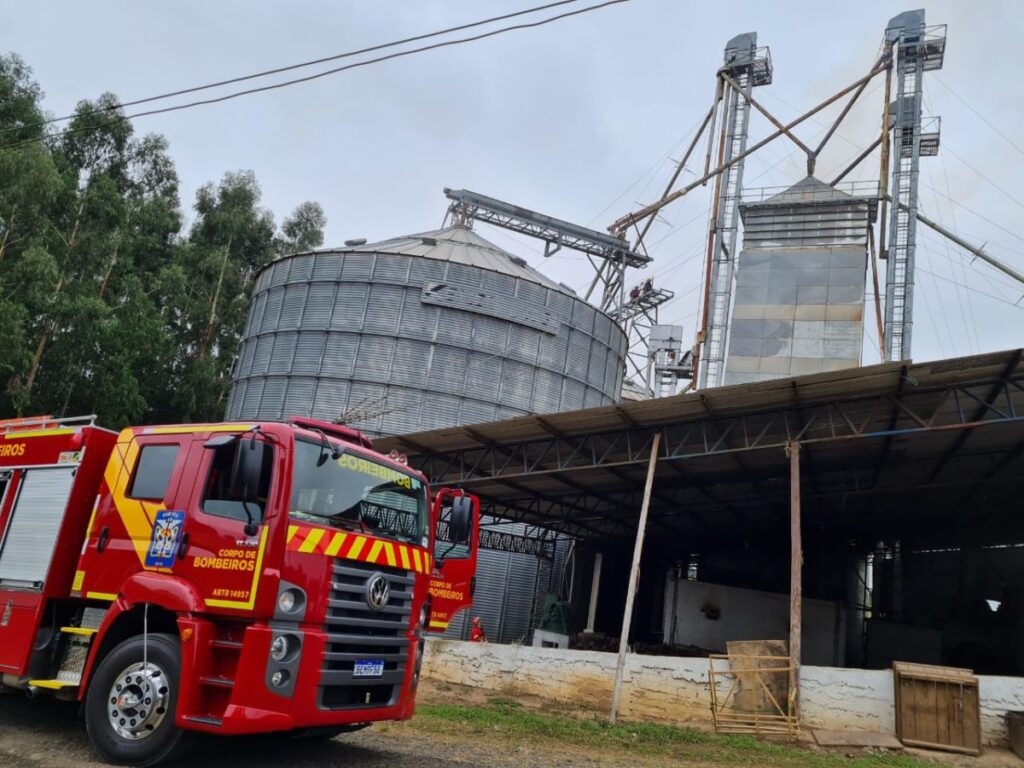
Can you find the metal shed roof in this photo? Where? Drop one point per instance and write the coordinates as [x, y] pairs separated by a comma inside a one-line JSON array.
[[882, 444]]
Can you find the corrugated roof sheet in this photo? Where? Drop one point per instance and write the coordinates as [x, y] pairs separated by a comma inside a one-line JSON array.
[[896, 424]]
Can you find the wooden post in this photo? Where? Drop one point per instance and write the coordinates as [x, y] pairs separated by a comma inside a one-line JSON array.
[[634, 577], [796, 556]]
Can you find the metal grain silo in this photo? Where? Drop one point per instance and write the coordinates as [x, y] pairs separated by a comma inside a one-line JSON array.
[[420, 332]]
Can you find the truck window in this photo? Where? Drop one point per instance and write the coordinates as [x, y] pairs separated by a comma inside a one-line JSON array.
[[218, 498], [357, 492], [443, 547], [153, 472]]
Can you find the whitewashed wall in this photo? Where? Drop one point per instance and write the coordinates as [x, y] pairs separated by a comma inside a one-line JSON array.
[[675, 690]]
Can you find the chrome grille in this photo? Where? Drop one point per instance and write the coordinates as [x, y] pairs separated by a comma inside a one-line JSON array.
[[354, 631]]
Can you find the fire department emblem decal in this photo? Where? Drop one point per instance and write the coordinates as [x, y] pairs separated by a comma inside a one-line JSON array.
[[378, 591], [163, 543]]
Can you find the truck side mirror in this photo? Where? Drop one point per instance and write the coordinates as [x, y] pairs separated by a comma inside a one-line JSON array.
[[460, 524], [246, 473]]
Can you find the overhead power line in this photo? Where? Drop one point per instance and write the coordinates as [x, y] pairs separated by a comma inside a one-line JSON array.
[[292, 67], [978, 114], [326, 73]]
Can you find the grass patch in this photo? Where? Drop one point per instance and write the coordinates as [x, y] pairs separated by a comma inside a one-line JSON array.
[[507, 718]]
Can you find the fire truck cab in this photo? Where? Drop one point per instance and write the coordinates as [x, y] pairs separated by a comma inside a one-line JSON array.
[[228, 578]]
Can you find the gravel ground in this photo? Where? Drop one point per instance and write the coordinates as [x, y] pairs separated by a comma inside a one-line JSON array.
[[44, 733]]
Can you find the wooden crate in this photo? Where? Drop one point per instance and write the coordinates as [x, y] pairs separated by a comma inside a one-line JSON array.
[[937, 707]]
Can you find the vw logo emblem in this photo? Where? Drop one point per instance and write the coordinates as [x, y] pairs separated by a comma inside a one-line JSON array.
[[378, 591]]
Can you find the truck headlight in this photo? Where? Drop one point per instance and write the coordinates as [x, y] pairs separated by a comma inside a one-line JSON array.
[[286, 601], [279, 648], [279, 678]]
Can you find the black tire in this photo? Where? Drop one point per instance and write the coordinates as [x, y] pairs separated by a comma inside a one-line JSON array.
[[156, 738]]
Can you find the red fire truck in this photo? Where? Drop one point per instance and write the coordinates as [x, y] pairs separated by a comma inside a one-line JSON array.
[[228, 578]]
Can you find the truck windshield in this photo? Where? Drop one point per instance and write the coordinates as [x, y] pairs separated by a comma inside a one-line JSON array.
[[357, 493]]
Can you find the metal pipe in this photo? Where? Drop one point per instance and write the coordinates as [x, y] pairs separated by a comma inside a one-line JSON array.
[[843, 114], [710, 256], [678, 171], [883, 170], [874, 278], [711, 132], [628, 220], [771, 118], [634, 576], [855, 163], [992, 260]]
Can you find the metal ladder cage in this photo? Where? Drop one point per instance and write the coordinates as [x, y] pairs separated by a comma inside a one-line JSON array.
[[749, 66], [920, 49]]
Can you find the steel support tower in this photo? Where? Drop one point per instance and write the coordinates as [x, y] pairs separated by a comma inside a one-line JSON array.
[[918, 50], [748, 66], [638, 317]]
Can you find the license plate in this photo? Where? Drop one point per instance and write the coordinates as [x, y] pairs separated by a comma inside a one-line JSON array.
[[368, 668]]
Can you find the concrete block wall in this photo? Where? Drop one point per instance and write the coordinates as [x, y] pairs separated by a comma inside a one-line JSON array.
[[675, 690]]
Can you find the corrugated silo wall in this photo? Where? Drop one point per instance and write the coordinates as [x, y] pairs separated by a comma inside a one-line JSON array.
[[510, 590], [330, 332]]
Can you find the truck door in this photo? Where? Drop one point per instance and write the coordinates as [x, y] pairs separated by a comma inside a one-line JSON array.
[[454, 575], [224, 536]]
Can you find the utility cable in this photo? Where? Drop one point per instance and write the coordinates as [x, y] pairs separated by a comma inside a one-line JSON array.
[[650, 172], [978, 114], [992, 296], [291, 67], [325, 73], [947, 148]]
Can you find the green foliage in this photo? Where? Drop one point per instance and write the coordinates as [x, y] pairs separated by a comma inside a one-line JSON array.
[[106, 305], [303, 230]]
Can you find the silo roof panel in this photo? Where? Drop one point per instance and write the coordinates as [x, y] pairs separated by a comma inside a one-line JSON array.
[[461, 245]]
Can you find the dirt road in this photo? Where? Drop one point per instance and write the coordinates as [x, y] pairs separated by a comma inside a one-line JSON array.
[[49, 734]]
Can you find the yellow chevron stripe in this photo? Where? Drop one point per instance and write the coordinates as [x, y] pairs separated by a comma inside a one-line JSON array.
[[426, 563], [403, 552], [389, 553], [335, 545], [375, 551], [131, 511], [315, 534], [416, 559], [357, 547], [292, 530]]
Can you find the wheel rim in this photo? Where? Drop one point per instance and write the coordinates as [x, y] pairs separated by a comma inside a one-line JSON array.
[[138, 701]]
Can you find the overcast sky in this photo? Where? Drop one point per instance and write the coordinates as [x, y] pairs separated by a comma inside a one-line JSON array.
[[580, 119]]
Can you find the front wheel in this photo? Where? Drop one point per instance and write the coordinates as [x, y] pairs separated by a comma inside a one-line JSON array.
[[130, 705]]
